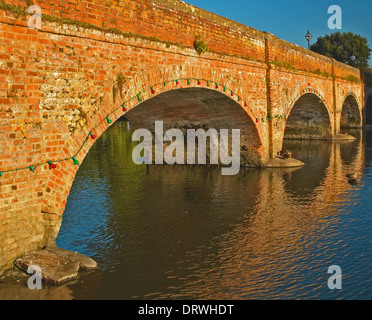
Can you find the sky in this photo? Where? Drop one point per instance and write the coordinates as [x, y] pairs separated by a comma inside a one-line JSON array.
[[290, 20]]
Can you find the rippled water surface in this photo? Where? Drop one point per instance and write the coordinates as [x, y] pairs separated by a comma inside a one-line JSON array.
[[187, 232]]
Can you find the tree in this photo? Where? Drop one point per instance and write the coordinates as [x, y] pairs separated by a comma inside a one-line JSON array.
[[344, 46]]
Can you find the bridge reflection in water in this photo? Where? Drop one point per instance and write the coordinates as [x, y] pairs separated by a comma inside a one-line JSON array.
[[188, 232]]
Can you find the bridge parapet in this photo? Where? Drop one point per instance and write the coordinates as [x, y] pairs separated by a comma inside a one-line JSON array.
[[174, 22]]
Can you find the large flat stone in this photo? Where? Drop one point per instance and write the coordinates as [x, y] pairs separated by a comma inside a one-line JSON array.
[[86, 263], [55, 269], [343, 137], [279, 162], [57, 265]]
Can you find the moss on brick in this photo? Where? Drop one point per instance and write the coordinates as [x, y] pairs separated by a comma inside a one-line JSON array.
[[322, 73], [115, 31], [11, 8], [200, 45], [352, 78], [283, 64], [118, 86]]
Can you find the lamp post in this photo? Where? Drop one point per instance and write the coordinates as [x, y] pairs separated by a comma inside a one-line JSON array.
[[308, 38], [352, 60]]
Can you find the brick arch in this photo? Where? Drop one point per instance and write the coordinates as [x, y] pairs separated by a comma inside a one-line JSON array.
[[351, 93], [351, 113], [303, 92], [308, 117], [140, 89], [169, 85]]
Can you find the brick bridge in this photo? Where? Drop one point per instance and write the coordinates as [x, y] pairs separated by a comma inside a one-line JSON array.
[[94, 61]]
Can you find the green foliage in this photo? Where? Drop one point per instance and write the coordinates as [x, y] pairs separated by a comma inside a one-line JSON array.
[[200, 45], [341, 46], [352, 78], [11, 8], [283, 64], [322, 73]]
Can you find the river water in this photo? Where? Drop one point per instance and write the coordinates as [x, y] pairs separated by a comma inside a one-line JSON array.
[[187, 232]]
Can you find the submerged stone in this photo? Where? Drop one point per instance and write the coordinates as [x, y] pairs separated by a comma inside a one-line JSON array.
[[280, 162], [57, 265], [86, 263], [344, 136]]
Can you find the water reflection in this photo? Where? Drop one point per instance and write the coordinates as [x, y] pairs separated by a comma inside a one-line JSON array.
[[187, 232]]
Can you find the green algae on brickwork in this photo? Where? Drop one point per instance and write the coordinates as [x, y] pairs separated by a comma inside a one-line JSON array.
[[200, 45], [118, 86], [11, 8], [352, 78]]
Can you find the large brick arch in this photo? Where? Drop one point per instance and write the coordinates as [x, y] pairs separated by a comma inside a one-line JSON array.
[[203, 106], [138, 91]]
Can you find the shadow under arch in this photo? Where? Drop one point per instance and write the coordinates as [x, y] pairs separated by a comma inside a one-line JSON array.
[[309, 119], [199, 108], [351, 115]]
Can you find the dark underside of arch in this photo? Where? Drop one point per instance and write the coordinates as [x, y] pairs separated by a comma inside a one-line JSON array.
[[369, 110], [199, 108], [309, 119], [350, 117]]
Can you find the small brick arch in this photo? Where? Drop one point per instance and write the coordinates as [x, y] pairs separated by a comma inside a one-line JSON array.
[[303, 92], [312, 121], [351, 113], [351, 93]]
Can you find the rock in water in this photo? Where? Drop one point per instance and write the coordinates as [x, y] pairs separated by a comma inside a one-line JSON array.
[[354, 181], [57, 265], [353, 178], [86, 263], [54, 269]]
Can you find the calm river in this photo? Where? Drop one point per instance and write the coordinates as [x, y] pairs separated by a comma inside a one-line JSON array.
[[184, 232]]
